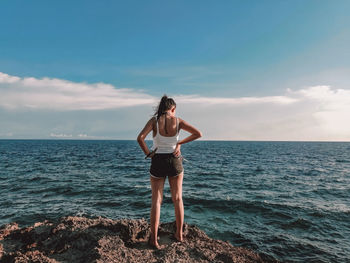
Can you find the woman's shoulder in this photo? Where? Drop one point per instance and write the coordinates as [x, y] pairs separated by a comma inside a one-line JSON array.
[[152, 121], [179, 119]]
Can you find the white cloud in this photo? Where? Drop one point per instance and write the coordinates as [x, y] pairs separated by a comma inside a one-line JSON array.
[[235, 101], [74, 136], [61, 135], [311, 113], [331, 107], [5, 78], [57, 94]]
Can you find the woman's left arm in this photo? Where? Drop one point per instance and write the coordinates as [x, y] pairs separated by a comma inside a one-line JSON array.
[[143, 134]]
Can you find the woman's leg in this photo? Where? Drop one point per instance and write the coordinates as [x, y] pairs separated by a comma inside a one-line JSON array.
[[176, 195], [157, 185]]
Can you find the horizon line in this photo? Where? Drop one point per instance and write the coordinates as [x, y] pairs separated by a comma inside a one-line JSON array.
[[150, 140]]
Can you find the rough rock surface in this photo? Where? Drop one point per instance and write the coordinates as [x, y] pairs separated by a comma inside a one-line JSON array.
[[80, 239]]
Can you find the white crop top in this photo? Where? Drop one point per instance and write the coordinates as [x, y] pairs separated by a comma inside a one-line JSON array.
[[166, 144]]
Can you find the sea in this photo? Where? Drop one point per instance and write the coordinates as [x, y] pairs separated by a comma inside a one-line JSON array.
[[287, 200]]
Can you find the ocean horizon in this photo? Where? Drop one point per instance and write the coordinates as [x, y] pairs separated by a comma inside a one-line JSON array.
[[286, 199], [150, 140]]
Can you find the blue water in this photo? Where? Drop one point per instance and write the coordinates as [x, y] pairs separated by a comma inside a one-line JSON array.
[[290, 200]]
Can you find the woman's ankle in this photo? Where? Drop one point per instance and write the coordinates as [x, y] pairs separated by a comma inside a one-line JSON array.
[[179, 236]]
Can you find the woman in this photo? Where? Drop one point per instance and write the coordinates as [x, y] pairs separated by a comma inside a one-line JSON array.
[[166, 161]]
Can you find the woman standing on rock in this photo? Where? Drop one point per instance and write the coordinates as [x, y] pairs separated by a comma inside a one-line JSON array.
[[166, 161]]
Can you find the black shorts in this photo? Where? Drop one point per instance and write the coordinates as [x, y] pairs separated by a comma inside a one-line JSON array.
[[166, 164]]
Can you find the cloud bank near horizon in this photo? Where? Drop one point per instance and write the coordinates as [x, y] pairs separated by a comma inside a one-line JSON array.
[[63, 95], [56, 108]]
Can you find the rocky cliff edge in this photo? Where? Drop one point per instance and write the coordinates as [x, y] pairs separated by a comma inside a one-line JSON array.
[[80, 239]]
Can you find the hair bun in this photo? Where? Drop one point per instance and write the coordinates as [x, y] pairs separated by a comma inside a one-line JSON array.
[[164, 98]]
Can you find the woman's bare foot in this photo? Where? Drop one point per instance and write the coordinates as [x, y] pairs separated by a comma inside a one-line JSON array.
[[178, 237], [153, 243]]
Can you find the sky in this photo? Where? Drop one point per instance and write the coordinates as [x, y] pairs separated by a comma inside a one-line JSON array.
[[238, 70]]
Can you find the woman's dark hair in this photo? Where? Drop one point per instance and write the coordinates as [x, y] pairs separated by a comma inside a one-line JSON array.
[[165, 104]]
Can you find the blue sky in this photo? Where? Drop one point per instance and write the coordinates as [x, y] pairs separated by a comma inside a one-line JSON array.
[[203, 49]]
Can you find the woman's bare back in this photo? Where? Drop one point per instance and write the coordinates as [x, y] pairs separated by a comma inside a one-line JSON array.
[[167, 128]]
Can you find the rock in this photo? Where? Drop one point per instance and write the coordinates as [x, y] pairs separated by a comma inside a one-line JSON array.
[[80, 239]]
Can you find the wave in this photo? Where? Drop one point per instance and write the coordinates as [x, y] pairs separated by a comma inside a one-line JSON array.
[[247, 206], [301, 223], [342, 160], [102, 204]]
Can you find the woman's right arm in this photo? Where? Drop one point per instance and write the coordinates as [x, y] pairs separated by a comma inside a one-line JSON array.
[[143, 134], [195, 134]]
